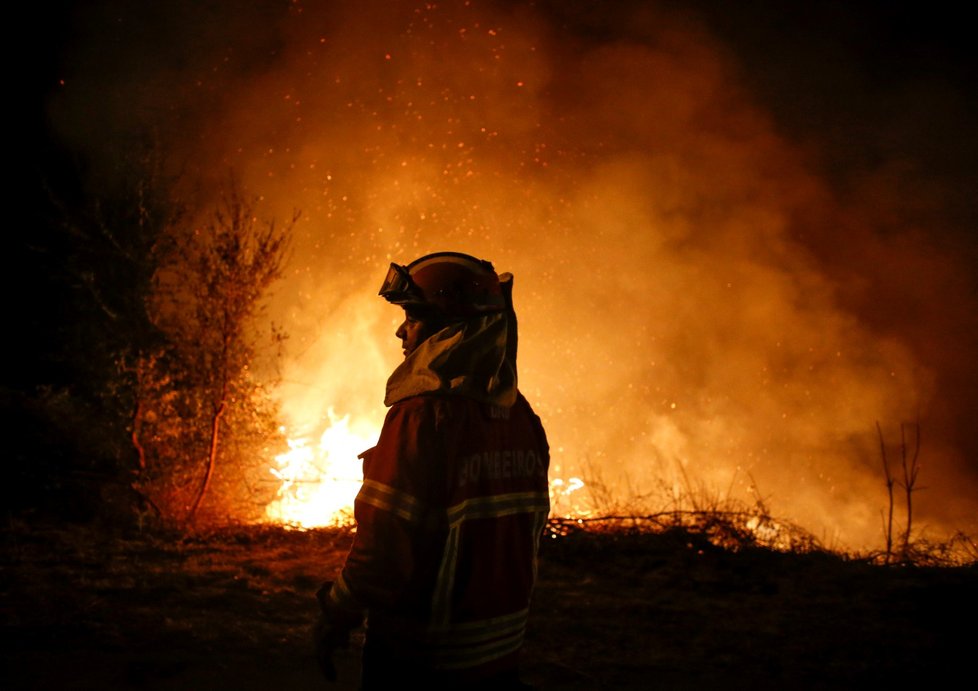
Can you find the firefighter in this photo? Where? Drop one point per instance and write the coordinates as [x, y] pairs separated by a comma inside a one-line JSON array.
[[454, 498]]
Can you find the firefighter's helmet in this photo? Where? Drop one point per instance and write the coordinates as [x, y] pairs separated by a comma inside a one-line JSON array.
[[458, 285]]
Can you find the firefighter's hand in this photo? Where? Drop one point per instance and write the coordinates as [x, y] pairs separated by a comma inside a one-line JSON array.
[[327, 638]]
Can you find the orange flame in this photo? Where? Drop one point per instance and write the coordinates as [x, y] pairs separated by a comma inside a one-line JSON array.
[[320, 480]]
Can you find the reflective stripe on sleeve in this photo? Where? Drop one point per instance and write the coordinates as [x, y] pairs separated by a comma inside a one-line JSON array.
[[387, 498]]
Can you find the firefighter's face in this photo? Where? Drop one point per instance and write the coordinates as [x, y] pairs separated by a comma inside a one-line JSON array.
[[413, 331]]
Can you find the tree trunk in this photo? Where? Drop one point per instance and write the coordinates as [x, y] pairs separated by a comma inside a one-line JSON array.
[[211, 458], [137, 424]]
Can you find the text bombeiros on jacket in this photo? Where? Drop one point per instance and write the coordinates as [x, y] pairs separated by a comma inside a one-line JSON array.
[[497, 465]]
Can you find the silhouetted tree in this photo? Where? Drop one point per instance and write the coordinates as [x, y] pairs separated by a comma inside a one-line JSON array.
[[209, 403], [87, 264]]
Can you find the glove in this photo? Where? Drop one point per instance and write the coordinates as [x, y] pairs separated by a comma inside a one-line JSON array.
[[332, 631], [327, 638]]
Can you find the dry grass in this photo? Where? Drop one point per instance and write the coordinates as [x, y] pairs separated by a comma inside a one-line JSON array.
[[623, 603]]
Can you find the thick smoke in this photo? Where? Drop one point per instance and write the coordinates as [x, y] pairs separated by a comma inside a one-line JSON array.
[[703, 307]]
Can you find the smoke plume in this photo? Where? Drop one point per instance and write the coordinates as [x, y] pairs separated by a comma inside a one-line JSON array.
[[712, 299]]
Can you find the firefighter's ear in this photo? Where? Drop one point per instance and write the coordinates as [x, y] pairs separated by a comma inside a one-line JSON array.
[[506, 285]]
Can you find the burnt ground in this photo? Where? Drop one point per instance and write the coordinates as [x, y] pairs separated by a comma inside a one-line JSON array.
[[89, 608]]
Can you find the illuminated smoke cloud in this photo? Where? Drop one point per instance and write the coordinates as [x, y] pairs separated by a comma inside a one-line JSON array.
[[699, 308]]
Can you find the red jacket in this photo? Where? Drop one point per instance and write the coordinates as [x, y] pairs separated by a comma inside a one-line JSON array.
[[453, 505]]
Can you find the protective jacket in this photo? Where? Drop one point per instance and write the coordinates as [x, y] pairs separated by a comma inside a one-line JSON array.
[[453, 505]]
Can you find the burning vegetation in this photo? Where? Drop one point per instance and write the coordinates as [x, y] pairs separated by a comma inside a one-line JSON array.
[[718, 318]]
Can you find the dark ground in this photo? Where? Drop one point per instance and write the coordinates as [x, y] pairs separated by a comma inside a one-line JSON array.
[[85, 608]]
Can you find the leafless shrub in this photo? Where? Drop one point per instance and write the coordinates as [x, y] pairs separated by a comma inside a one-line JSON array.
[[910, 465]]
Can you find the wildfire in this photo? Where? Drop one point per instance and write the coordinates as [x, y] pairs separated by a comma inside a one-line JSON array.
[[562, 503], [321, 479]]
